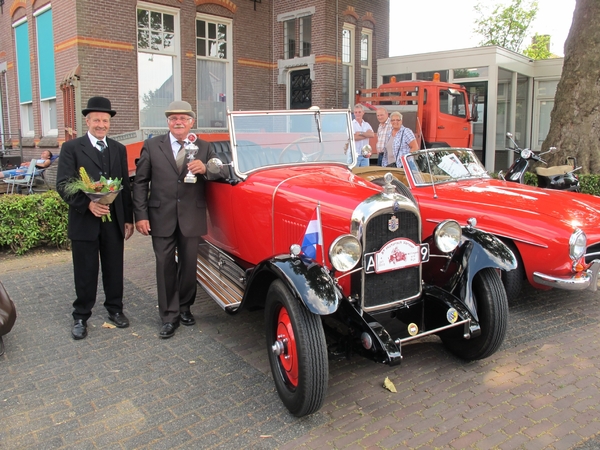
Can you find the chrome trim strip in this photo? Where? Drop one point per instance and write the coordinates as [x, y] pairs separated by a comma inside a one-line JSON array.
[[578, 282], [427, 333]]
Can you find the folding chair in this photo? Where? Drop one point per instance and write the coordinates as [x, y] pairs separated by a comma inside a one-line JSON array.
[[22, 179], [39, 174]]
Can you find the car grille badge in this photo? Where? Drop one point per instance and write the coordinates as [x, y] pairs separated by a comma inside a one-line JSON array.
[[393, 224]]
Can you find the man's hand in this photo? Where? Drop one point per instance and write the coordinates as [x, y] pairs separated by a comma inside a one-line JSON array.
[[143, 226], [197, 167], [128, 230], [98, 210]]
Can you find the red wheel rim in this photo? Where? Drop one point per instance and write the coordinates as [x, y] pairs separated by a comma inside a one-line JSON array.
[[289, 357]]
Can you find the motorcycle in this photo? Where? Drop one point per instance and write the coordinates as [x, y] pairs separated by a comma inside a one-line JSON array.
[[555, 177]]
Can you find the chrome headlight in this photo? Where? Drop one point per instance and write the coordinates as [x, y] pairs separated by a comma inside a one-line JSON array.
[[577, 244], [345, 253], [447, 235]]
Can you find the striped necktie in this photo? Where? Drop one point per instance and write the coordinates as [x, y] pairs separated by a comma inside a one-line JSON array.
[[180, 155], [101, 145]]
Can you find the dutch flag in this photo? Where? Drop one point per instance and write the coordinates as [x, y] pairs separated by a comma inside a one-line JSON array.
[[313, 235]]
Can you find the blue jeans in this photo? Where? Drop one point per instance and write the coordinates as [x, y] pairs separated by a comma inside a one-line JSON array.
[[380, 159]]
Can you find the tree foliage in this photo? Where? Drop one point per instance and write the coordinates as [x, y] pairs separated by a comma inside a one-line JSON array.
[[505, 26], [575, 117], [539, 48]]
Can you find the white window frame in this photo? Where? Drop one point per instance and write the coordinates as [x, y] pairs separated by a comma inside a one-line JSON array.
[[175, 54], [368, 68], [301, 34], [350, 62], [286, 40], [228, 61], [539, 99]]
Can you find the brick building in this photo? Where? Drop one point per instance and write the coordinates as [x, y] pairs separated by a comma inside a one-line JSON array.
[[215, 54]]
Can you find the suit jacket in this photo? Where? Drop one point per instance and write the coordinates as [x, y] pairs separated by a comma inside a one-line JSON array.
[[83, 225], [160, 194]]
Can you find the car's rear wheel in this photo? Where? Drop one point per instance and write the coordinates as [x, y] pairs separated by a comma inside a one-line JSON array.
[[492, 310], [297, 351]]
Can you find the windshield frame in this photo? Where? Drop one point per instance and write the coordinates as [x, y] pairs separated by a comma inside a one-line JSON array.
[[436, 166], [254, 133]]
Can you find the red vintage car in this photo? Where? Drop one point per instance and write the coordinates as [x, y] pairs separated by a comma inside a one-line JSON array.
[[555, 235], [337, 262]]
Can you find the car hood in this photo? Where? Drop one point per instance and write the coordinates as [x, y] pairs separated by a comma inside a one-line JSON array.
[[504, 202]]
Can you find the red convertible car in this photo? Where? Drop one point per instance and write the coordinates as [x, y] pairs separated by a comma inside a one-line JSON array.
[[555, 235], [337, 262]]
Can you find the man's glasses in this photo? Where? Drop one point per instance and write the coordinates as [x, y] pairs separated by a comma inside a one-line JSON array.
[[178, 119], [395, 120]]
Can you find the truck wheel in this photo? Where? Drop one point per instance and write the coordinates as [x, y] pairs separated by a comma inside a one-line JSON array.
[[513, 279], [492, 309], [400, 188], [297, 351]]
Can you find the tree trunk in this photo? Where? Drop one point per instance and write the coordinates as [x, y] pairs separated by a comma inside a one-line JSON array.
[[575, 118]]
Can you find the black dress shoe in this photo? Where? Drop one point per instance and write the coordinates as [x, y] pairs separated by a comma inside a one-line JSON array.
[[79, 330], [168, 330], [119, 319], [187, 318]]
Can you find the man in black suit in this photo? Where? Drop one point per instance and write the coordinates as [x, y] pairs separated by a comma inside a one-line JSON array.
[[173, 211], [90, 235]]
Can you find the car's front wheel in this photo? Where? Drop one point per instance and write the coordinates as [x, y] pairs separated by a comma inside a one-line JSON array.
[[492, 311], [297, 351]]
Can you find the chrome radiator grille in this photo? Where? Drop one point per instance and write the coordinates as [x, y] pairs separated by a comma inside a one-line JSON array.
[[389, 287]]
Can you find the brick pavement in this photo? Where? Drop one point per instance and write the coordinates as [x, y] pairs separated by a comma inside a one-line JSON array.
[[210, 385]]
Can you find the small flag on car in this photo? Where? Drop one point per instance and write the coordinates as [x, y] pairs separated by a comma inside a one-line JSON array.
[[313, 236]]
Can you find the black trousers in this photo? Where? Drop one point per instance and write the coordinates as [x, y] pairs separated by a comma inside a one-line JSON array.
[[107, 249], [175, 278]]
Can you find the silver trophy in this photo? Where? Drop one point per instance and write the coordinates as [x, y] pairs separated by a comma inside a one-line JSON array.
[[190, 150]]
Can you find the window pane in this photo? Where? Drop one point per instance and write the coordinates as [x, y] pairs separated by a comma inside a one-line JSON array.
[[143, 39], [52, 114], [200, 28], [544, 127], [428, 76], [200, 47], [169, 23], [155, 20], [156, 41], [305, 37], [547, 88], [212, 88], [346, 86], [290, 38], [143, 16], [222, 29], [364, 50], [346, 46], [212, 30], [156, 88]]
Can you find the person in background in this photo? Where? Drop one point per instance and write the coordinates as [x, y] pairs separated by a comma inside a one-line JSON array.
[[94, 240], [383, 132], [362, 132], [401, 141], [42, 163], [173, 212]]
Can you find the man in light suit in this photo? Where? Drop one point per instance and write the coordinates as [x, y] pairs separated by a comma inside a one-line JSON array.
[[90, 235], [174, 213]]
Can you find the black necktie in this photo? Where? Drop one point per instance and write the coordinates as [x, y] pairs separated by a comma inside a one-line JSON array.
[[180, 155], [102, 145]]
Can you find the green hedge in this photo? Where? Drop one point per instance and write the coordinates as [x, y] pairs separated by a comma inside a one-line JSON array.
[[29, 221]]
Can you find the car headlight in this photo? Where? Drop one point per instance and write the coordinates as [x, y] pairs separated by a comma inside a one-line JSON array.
[[447, 235], [345, 253], [577, 244]]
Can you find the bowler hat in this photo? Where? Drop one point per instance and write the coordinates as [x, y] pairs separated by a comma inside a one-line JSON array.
[[180, 107], [98, 104]]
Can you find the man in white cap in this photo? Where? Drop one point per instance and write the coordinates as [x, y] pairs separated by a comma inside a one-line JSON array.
[[173, 212]]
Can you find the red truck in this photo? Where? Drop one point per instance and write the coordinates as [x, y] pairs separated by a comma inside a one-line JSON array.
[[437, 112]]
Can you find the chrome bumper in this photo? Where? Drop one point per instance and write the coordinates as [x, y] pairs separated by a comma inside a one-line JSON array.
[[587, 279]]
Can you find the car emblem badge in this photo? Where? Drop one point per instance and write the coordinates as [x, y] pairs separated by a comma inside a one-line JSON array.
[[413, 329], [452, 315], [393, 224], [396, 206]]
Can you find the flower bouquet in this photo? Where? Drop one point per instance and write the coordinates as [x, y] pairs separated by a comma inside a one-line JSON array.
[[103, 191]]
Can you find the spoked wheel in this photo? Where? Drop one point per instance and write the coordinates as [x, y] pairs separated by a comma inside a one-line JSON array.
[[314, 156], [492, 309], [297, 351]]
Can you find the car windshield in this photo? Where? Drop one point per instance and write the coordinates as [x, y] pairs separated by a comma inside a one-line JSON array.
[[263, 139], [442, 165]]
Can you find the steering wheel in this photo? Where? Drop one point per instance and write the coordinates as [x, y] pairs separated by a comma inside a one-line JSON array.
[[305, 156]]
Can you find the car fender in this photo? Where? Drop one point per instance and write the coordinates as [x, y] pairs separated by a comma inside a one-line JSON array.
[[309, 282], [477, 250]]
